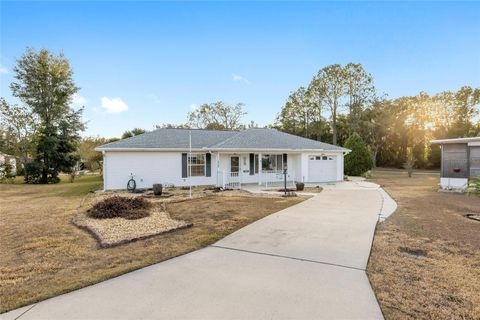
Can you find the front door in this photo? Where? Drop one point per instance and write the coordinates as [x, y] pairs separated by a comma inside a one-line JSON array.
[[234, 164]]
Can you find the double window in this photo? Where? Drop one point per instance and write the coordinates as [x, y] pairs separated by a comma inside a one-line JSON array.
[[196, 165], [272, 162]]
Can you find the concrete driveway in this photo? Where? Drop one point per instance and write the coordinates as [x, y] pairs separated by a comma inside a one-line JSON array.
[[304, 262]]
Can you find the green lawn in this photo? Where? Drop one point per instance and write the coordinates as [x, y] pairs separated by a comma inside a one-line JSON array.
[[81, 186]]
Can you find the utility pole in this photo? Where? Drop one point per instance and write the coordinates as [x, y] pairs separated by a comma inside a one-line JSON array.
[[190, 159]]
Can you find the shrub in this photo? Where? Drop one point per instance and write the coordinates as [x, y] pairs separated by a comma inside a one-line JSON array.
[[120, 207], [6, 172], [34, 171], [359, 160], [474, 186]]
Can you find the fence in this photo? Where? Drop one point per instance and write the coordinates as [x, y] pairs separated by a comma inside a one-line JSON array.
[[275, 178], [229, 180], [267, 178]]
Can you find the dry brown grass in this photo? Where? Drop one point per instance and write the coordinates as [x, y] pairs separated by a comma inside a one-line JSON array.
[[43, 254], [425, 262]]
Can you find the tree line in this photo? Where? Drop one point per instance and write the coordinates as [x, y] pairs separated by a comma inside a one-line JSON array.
[[339, 103], [341, 100]]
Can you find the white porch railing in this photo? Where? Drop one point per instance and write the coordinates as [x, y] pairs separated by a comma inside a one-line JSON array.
[[275, 178], [229, 180], [267, 178]]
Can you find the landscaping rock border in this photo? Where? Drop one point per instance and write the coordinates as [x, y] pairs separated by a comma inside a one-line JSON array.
[[80, 220]]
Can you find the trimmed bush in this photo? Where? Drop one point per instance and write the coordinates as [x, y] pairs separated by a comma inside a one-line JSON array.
[[120, 207], [359, 160], [474, 186]]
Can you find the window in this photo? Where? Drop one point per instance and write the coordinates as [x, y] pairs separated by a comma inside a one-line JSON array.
[[196, 165], [318, 158], [256, 163], [234, 164], [324, 158], [272, 162]]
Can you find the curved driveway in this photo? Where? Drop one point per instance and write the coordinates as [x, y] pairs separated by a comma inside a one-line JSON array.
[[305, 262]]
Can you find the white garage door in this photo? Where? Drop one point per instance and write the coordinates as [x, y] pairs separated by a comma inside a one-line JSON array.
[[322, 168]]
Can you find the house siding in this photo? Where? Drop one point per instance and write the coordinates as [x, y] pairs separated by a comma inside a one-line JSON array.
[[148, 168], [455, 160]]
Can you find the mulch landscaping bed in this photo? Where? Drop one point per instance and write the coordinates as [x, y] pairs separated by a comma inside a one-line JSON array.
[[115, 231]]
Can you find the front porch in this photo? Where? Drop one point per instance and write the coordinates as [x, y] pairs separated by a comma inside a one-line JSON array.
[[267, 170]]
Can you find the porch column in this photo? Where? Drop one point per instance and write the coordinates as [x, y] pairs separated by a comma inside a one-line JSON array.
[[217, 167], [259, 169]]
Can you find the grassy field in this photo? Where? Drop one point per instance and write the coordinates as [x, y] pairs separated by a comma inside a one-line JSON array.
[[43, 254], [425, 261]]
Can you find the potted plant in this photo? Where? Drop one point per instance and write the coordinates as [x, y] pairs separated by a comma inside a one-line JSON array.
[[157, 189], [300, 186]]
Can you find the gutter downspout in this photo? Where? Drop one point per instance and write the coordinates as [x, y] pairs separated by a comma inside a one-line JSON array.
[[104, 172]]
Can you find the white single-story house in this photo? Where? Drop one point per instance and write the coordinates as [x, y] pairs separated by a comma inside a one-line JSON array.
[[183, 157], [460, 162]]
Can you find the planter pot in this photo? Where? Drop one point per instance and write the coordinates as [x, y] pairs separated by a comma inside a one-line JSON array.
[[157, 189], [300, 186]]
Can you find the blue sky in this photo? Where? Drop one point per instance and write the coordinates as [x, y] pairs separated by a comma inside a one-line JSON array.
[[151, 61]]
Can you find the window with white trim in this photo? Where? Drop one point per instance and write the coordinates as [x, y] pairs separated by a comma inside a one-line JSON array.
[[272, 162], [196, 165]]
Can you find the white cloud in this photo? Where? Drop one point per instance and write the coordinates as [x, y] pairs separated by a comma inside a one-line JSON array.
[[3, 70], [236, 77], [156, 99], [78, 101], [193, 106], [114, 105]]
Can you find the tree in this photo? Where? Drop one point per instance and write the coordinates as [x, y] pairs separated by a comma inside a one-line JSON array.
[[375, 125], [359, 160], [217, 116], [316, 97], [91, 159], [133, 132], [297, 113], [465, 109], [360, 93], [172, 126], [18, 124], [44, 83], [331, 82]]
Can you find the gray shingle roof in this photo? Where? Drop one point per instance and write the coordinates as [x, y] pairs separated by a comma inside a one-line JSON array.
[[171, 139], [272, 139], [264, 139]]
